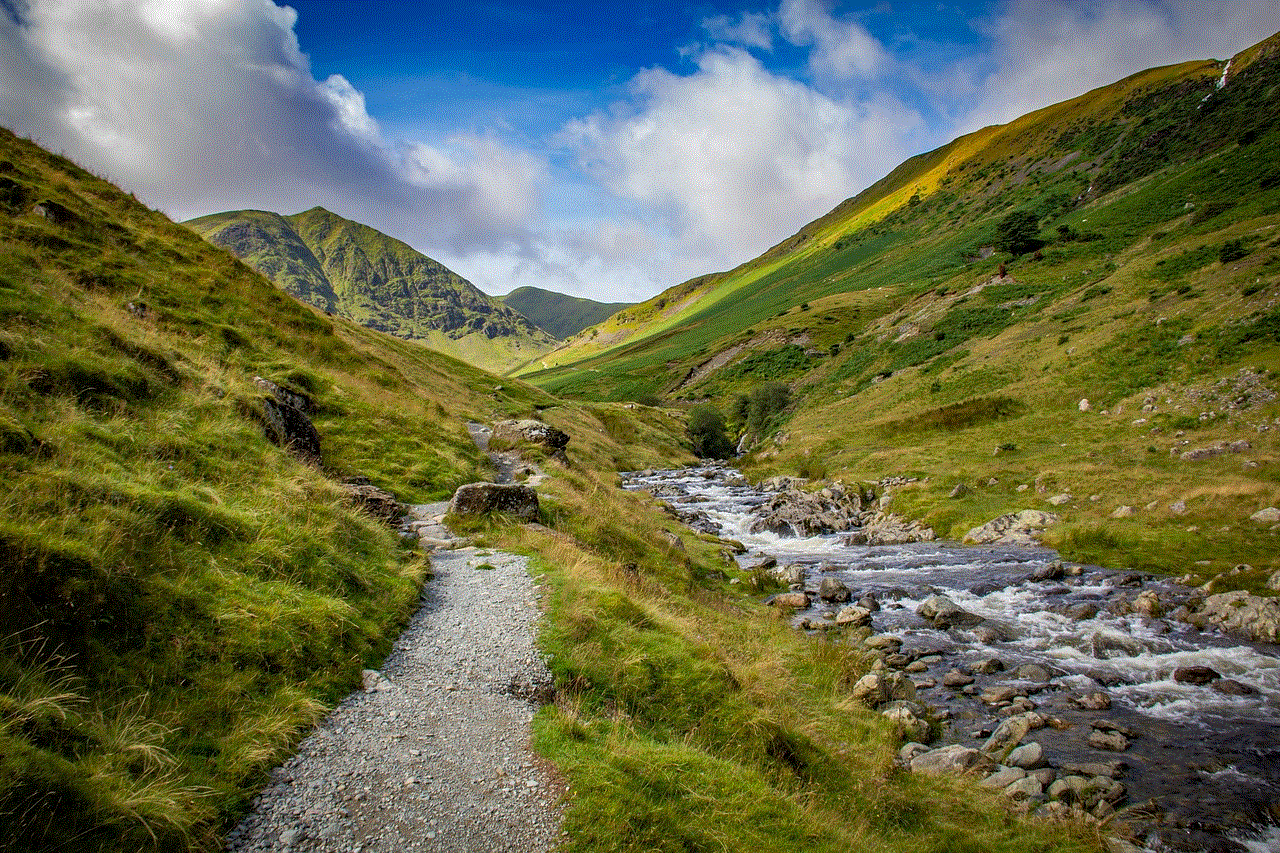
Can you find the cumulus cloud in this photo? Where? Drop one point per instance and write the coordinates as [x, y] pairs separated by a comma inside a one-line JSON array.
[[203, 105], [736, 157], [1044, 52], [842, 49], [750, 29]]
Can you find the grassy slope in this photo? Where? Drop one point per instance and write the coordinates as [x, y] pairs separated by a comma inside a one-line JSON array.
[[890, 317], [178, 597], [357, 272], [558, 314]]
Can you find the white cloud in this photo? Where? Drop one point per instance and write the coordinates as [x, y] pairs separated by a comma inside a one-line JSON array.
[[751, 29], [734, 157], [1045, 52], [204, 105], [842, 49]]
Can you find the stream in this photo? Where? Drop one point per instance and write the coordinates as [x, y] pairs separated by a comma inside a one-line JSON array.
[[1202, 766]]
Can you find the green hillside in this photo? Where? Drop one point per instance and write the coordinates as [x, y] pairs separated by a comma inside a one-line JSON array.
[[1122, 247], [181, 598], [357, 272], [558, 314]]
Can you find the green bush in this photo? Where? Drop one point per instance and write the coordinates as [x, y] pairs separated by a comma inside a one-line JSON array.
[[707, 430]]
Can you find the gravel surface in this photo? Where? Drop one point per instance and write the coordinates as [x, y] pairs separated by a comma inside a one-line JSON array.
[[436, 757]]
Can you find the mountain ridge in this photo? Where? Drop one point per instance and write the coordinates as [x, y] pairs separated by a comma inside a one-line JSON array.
[[559, 314], [350, 269]]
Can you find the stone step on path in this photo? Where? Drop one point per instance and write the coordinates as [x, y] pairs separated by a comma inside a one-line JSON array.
[[438, 759]]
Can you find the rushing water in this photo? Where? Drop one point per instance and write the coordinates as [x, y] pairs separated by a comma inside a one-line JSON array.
[[1207, 755]]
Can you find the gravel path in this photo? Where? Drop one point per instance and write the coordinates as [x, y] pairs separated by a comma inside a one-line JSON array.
[[437, 756]]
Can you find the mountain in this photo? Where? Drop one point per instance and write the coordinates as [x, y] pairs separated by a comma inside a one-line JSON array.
[[354, 271], [558, 314], [945, 324]]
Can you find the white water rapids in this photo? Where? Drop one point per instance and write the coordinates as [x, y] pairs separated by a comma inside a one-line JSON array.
[[1208, 755]]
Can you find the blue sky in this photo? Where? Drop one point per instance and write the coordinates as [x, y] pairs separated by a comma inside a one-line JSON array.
[[607, 150]]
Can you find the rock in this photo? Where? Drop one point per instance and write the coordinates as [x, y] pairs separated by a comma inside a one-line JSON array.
[[987, 666], [909, 751], [1095, 701], [517, 501], [909, 720], [790, 600], [1017, 528], [283, 415], [833, 589], [1148, 603], [1273, 582], [953, 759], [945, 613], [1250, 616], [373, 681], [1112, 740], [1107, 644], [875, 689], [999, 694], [1108, 769], [888, 529], [791, 574], [1007, 736], [1270, 515], [1068, 789], [1003, 777], [1218, 448], [882, 641], [1033, 672], [1024, 788], [1051, 571], [1083, 405], [1059, 500], [379, 503], [1198, 675], [960, 491], [290, 836], [512, 432], [956, 679], [764, 565], [1231, 687], [1029, 756], [1178, 507], [854, 616], [1082, 610]]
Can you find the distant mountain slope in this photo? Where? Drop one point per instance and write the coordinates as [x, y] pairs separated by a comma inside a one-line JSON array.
[[357, 272], [928, 221], [558, 314]]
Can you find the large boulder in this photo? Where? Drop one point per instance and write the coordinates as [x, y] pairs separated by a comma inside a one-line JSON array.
[[1015, 528], [796, 513], [283, 414], [517, 501], [945, 613], [1250, 616], [889, 529], [513, 432]]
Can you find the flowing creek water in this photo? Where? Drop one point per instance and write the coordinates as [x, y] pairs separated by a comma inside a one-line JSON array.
[[1202, 769]]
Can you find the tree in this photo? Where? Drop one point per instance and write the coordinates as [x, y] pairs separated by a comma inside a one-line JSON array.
[[766, 401], [1019, 232], [706, 428]]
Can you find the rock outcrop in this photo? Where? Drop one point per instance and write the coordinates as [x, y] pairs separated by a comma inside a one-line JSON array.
[[283, 414], [517, 501], [379, 503], [1016, 528], [513, 432]]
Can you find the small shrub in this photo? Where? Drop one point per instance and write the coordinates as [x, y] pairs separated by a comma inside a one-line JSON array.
[[1232, 250]]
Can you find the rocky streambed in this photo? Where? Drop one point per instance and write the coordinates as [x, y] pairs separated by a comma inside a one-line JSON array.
[[1076, 690]]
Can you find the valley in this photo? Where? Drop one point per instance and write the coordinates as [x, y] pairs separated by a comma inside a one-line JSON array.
[[226, 448]]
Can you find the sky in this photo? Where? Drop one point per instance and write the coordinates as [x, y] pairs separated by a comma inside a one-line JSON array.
[[607, 150]]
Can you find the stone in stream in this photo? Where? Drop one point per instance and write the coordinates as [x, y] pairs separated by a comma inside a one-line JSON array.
[[1239, 613], [1108, 739], [1029, 756], [833, 589], [791, 574], [517, 501], [956, 679], [870, 602], [945, 613], [882, 641], [1010, 733], [1048, 572], [1095, 701], [1016, 528], [1231, 687], [999, 693], [910, 719], [1198, 675], [986, 666], [1003, 777], [1024, 788], [1033, 672]]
